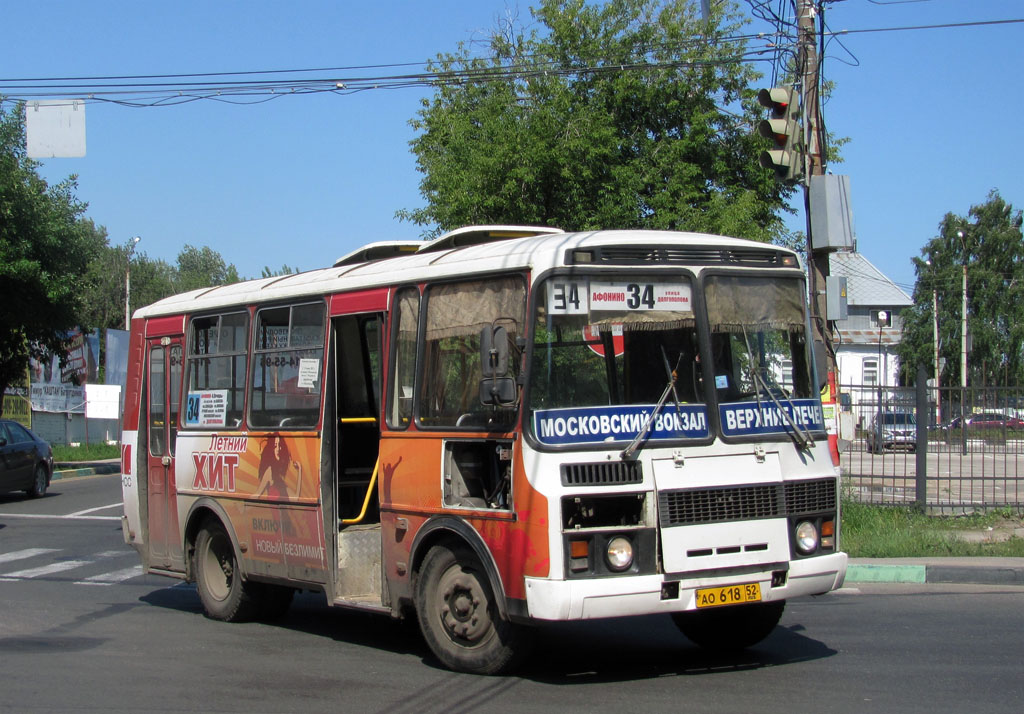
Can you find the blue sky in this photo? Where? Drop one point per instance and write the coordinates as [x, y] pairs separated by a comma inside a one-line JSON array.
[[932, 116]]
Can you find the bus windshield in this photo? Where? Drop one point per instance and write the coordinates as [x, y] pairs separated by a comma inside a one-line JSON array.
[[607, 353], [758, 338]]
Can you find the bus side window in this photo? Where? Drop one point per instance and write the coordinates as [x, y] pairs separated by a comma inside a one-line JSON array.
[[287, 369], [457, 314], [403, 350]]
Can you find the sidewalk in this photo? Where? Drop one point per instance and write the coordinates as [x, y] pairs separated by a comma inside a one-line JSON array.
[[976, 571]]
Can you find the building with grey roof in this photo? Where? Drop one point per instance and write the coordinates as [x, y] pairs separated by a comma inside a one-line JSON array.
[[865, 351]]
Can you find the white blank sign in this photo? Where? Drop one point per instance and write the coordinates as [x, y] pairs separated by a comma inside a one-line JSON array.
[[55, 128]]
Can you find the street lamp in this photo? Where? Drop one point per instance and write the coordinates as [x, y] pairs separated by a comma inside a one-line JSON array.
[[935, 347], [128, 283], [883, 321]]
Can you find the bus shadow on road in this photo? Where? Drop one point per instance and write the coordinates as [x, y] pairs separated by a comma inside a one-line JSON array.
[[595, 651], [599, 651]]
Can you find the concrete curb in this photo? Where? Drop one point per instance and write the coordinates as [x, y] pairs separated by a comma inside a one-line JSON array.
[[974, 571], [74, 470]]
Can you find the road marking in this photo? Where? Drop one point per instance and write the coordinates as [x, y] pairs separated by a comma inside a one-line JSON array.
[[117, 576], [27, 553], [44, 570], [69, 518], [93, 510]]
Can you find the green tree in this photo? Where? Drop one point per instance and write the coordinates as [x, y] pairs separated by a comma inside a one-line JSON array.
[[201, 268], [151, 280], [627, 114], [989, 241], [284, 270], [45, 250]]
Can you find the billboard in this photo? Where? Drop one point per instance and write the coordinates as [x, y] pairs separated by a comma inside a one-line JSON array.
[[62, 389]]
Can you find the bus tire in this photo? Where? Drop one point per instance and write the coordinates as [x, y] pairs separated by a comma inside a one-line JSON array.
[[223, 593], [727, 629], [459, 617]]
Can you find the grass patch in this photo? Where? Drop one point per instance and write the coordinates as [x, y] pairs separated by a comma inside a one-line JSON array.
[[894, 532], [91, 452]]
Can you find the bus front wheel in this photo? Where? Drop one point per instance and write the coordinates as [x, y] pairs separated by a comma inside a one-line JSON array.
[[459, 617], [727, 629], [223, 593]]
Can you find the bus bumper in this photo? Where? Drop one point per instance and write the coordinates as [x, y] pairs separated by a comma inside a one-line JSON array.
[[645, 594]]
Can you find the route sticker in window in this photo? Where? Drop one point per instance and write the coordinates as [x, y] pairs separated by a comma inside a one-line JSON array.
[[624, 296], [567, 297], [206, 408]]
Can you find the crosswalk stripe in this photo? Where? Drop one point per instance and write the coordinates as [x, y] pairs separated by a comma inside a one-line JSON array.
[[50, 569], [109, 578], [22, 554], [116, 576]]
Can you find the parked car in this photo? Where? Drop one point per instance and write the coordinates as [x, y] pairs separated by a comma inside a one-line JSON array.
[[26, 461], [985, 420], [892, 430]]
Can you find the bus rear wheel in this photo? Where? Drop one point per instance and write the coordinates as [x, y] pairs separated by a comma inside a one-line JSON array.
[[223, 593], [727, 629], [459, 617]]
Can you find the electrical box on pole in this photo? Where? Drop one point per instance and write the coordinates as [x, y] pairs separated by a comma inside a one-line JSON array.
[[836, 305], [783, 128], [831, 213]]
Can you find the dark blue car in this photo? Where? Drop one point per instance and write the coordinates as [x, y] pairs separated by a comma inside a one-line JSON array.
[[26, 461]]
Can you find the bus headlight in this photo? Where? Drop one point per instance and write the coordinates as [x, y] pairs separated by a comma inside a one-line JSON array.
[[806, 537], [619, 553]]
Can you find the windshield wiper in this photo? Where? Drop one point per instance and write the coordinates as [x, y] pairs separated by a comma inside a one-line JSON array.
[[758, 375], [670, 388]]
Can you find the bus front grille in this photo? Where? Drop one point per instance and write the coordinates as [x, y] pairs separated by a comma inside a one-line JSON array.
[[745, 503], [610, 473], [811, 496]]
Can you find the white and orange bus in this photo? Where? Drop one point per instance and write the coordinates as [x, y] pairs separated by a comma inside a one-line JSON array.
[[499, 428]]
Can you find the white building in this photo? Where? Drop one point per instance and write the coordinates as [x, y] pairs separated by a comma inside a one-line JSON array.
[[865, 352]]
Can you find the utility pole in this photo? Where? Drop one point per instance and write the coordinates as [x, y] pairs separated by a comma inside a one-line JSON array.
[[817, 260]]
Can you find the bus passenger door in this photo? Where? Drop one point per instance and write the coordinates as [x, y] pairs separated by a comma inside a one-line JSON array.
[[356, 347], [164, 380]]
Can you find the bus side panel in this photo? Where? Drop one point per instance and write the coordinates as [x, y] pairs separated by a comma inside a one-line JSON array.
[[411, 488], [520, 548], [133, 478], [269, 491]]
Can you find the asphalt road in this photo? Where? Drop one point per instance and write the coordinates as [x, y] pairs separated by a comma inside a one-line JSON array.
[[83, 630]]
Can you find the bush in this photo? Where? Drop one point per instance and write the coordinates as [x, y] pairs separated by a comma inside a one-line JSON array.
[[86, 452]]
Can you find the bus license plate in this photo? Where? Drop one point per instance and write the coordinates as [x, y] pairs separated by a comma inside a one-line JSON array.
[[730, 595]]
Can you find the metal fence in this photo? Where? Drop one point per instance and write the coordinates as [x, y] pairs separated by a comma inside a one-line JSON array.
[[960, 451]]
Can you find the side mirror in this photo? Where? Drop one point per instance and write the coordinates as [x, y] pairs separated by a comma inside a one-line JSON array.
[[496, 386], [494, 351]]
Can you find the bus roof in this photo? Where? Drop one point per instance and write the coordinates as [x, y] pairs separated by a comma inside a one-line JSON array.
[[541, 250]]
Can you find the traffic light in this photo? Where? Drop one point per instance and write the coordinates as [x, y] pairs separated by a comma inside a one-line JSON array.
[[783, 128]]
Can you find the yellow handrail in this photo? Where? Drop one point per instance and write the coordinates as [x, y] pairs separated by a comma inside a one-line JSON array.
[[366, 501], [358, 420]]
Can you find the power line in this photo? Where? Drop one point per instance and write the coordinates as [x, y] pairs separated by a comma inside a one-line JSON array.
[[944, 26]]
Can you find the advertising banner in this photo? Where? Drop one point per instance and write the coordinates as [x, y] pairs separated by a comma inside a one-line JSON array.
[[115, 359], [62, 389], [16, 403]]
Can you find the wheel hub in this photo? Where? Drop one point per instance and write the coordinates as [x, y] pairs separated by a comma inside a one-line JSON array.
[[463, 606]]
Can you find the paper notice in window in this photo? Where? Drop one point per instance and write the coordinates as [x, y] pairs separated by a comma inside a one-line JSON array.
[[309, 372]]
